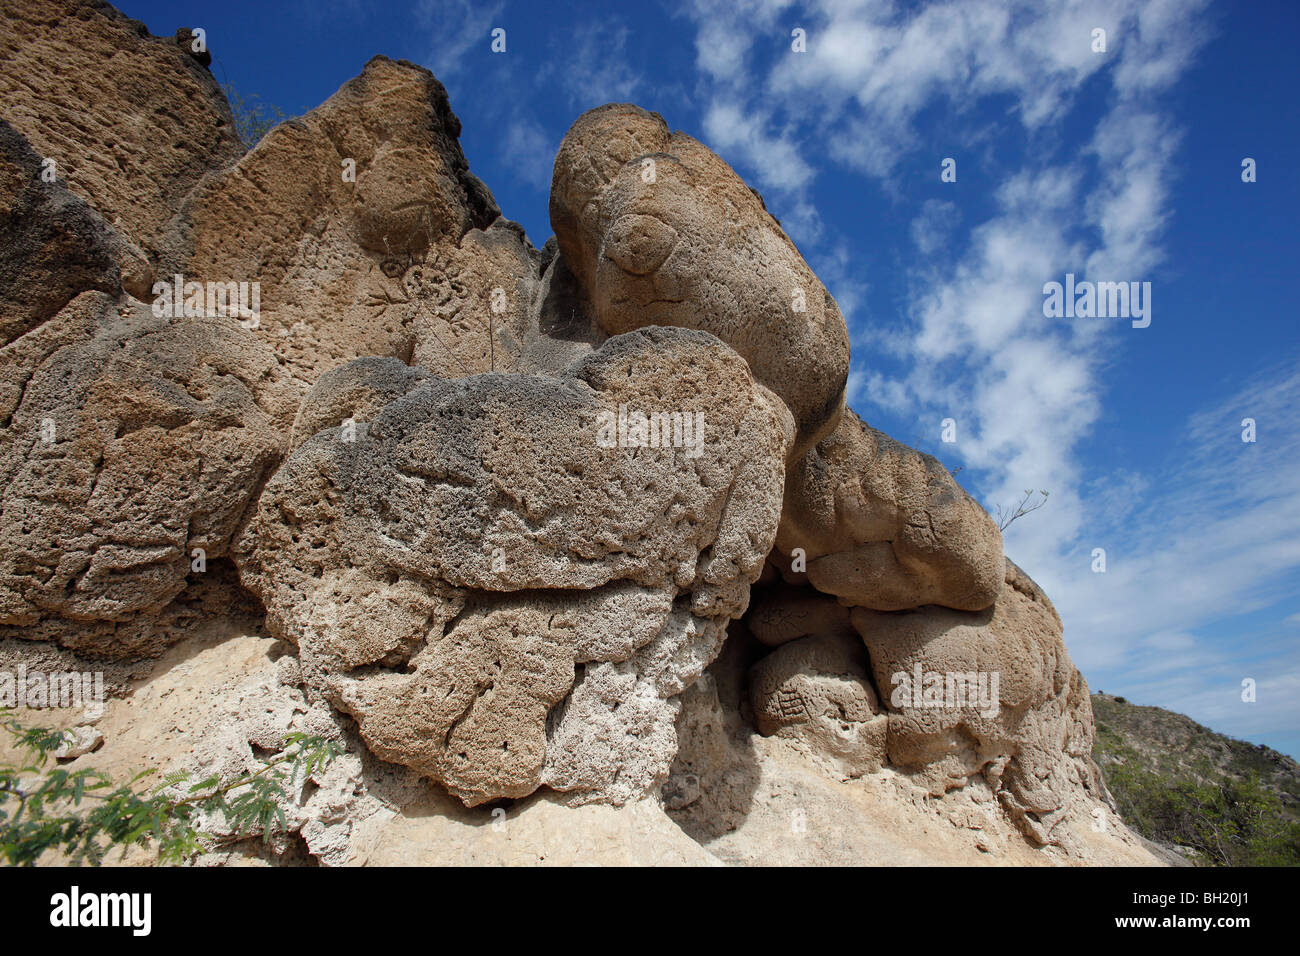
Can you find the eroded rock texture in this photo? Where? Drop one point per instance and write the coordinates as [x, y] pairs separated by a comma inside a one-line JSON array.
[[472, 557], [886, 527], [368, 236], [1033, 745], [661, 231], [506, 502], [816, 691], [132, 448], [131, 121]]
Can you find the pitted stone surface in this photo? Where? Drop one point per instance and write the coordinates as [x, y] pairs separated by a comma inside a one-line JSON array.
[[447, 570], [883, 526], [1034, 746], [661, 231], [130, 445]]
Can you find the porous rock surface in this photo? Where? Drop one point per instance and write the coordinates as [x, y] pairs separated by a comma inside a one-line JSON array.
[[132, 448], [816, 690], [428, 466], [131, 121], [660, 230], [473, 557], [1034, 748], [884, 526]]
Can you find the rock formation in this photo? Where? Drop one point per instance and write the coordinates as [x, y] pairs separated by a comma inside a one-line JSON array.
[[504, 505]]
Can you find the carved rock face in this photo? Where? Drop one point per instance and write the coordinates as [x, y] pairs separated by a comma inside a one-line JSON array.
[[816, 691], [474, 556], [886, 527], [660, 231], [1033, 744]]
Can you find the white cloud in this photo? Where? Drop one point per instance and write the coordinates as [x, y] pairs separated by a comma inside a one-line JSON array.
[[456, 25], [593, 67], [933, 226], [523, 149], [775, 159]]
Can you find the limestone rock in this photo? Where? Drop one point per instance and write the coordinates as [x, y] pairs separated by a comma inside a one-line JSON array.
[[786, 614], [659, 230], [886, 527], [1025, 723], [816, 691], [56, 245], [367, 235], [132, 121], [475, 557], [132, 448], [357, 391], [78, 742], [504, 505]]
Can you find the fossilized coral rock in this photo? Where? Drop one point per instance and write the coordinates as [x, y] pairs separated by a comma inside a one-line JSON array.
[[430, 456], [448, 570], [660, 231], [789, 613], [57, 246]]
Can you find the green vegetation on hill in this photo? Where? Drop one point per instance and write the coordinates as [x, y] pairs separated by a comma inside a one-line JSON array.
[[1181, 784]]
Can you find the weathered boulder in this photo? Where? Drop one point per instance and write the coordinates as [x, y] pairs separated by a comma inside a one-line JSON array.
[[786, 614], [132, 121], [502, 602], [504, 502], [659, 230], [992, 693], [367, 235], [131, 448], [355, 392], [816, 691], [884, 526]]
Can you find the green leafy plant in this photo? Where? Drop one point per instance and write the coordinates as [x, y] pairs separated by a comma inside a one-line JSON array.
[[1178, 793], [82, 814], [253, 118]]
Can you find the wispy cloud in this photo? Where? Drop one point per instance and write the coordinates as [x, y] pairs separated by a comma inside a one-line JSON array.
[[593, 67], [455, 27]]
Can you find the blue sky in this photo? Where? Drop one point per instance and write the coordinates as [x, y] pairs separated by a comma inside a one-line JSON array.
[[1123, 165]]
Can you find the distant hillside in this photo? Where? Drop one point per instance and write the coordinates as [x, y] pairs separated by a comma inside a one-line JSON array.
[[1219, 801]]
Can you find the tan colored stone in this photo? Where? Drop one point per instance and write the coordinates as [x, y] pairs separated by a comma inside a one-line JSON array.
[[787, 613], [132, 121], [661, 231], [1034, 744], [884, 526], [56, 246], [407, 258], [446, 572], [816, 692], [129, 444]]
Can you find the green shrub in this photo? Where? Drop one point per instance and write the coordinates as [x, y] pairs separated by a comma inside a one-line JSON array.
[[82, 814]]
